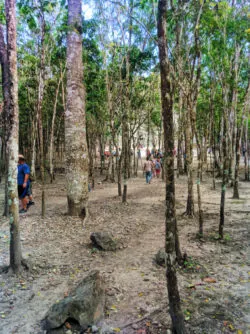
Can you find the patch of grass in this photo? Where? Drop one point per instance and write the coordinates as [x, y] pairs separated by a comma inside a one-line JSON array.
[[187, 314], [191, 265]]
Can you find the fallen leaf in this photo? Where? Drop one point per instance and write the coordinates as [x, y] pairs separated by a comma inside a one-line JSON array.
[[231, 327], [117, 329], [239, 331], [140, 294], [148, 324], [209, 280], [113, 307]]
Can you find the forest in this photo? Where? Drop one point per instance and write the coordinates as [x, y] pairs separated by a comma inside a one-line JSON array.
[[124, 166]]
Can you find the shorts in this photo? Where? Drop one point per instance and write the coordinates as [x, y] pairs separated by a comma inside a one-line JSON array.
[[22, 192]]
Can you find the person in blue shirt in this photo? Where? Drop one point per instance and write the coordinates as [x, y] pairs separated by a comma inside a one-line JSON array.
[[23, 182]]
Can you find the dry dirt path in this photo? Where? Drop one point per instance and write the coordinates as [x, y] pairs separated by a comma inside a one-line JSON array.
[[60, 251]]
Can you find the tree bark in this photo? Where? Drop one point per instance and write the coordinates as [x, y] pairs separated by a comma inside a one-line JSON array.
[[51, 146], [5, 89], [189, 164], [170, 214], [15, 243], [238, 142], [225, 142], [39, 107], [75, 122]]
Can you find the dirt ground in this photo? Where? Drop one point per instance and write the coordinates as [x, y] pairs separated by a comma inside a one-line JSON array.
[[136, 298]]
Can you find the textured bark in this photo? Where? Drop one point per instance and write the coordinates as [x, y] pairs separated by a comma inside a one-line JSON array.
[[225, 142], [39, 107], [200, 211], [189, 165], [51, 146], [246, 160], [15, 244], [5, 89], [119, 172], [75, 122], [238, 142], [170, 214]]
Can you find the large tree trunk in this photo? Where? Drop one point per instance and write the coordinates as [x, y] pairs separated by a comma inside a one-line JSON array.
[[15, 244], [5, 89], [170, 215], [75, 122]]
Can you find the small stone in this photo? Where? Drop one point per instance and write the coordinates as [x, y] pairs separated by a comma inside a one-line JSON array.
[[134, 326], [68, 331], [168, 331], [94, 329], [160, 257], [104, 241]]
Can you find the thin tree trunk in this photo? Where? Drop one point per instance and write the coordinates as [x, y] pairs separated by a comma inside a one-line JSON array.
[[246, 161], [170, 214], [225, 163], [238, 142], [119, 172], [189, 162], [75, 122], [51, 146], [200, 211], [39, 108], [5, 89], [15, 243]]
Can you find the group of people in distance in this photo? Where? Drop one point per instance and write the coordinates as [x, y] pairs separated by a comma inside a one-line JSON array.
[[24, 184], [153, 165]]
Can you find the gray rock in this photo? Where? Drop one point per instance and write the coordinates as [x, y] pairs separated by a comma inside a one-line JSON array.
[[104, 241], [94, 329], [85, 304], [160, 257]]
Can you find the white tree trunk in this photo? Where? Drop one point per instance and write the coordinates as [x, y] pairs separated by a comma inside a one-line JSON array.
[[75, 122], [15, 244]]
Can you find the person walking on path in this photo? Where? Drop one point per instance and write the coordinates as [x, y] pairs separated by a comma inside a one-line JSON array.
[[158, 168], [148, 170], [23, 182]]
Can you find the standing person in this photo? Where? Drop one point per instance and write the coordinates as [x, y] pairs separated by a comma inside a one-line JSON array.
[[158, 168], [23, 182], [148, 170]]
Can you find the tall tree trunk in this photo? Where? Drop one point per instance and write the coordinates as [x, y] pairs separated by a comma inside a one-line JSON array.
[[189, 163], [75, 122], [200, 211], [51, 146], [15, 244], [170, 214], [126, 108], [238, 142], [246, 159], [39, 107], [225, 142], [5, 89]]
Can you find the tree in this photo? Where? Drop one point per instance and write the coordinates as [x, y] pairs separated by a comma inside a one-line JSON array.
[[5, 89], [170, 214], [13, 120], [76, 150]]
